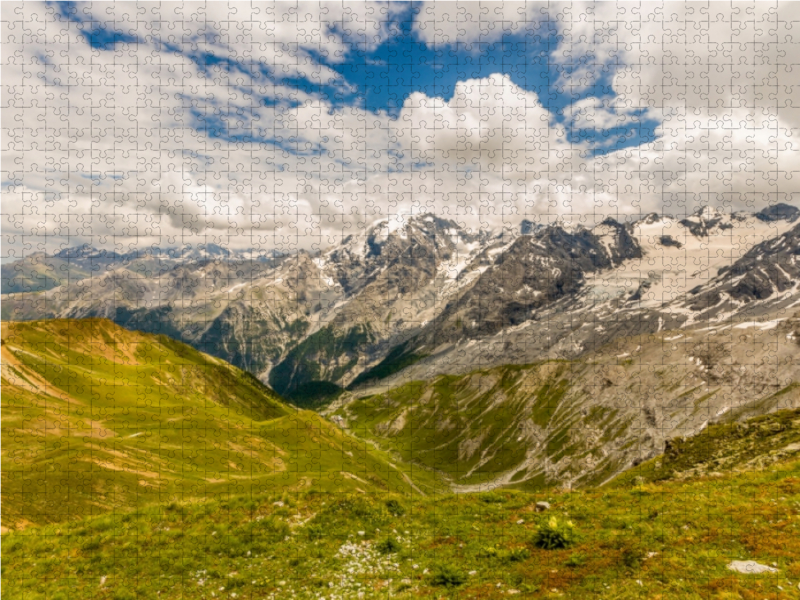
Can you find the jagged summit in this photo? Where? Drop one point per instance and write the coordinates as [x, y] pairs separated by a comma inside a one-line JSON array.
[[779, 212], [650, 219], [86, 251]]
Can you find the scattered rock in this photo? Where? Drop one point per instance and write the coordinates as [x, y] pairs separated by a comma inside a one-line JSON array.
[[542, 506], [750, 567]]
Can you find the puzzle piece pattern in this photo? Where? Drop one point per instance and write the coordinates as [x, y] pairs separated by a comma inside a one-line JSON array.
[[509, 243]]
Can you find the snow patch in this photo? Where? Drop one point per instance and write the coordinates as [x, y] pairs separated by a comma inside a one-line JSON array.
[[760, 325], [236, 287]]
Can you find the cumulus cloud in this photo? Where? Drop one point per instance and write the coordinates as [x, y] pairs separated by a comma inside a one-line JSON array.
[[227, 122]]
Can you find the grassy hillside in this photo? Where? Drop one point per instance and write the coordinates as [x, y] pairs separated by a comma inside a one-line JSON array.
[[580, 421], [95, 418], [754, 444], [137, 467], [670, 540]]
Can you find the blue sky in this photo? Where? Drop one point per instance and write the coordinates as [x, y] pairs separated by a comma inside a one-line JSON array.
[[403, 64], [381, 78]]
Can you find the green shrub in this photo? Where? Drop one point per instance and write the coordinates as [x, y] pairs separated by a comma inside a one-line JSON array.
[[235, 581], [447, 576], [506, 556], [90, 545], [492, 498], [631, 558], [576, 560], [632, 554], [555, 534], [395, 508], [516, 555], [315, 531], [270, 529], [402, 587], [388, 546]]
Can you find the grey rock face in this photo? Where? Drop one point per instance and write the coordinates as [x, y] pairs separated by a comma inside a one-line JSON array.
[[779, 212], [766, 271]]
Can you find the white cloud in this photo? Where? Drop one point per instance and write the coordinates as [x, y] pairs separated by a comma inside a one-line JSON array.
[[443, 23], [722, 89], [599, 114]]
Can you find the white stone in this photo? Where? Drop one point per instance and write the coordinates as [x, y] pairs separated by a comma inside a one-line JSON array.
[[750, 567]]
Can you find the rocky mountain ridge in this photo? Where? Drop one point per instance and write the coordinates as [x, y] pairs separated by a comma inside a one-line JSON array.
[[423, 296]]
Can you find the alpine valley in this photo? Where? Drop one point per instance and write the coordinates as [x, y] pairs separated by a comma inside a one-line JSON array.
[[544, 354]]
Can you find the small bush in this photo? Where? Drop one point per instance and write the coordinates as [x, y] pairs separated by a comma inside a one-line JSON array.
[[576, 560], [395, 508], [388, 546], [315, 532], [555, 535], [492, 498], [632, 557], [235, 581], [90, 545], [447, 576], [516, 555], [270, 529], [402, 587], [506, 556]]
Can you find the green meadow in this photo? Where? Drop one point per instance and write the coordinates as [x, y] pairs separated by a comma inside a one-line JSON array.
[[137, 467]]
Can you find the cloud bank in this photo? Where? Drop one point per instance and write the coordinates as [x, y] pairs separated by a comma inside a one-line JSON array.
[[243, 124]]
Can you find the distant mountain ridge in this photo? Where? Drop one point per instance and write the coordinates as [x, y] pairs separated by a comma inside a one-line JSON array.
[[422, 296]]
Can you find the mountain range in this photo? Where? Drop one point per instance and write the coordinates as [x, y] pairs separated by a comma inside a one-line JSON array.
[[549, 355], [426, 294]]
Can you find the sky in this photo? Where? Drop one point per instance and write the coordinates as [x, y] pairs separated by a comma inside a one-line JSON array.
[[292, 125]]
